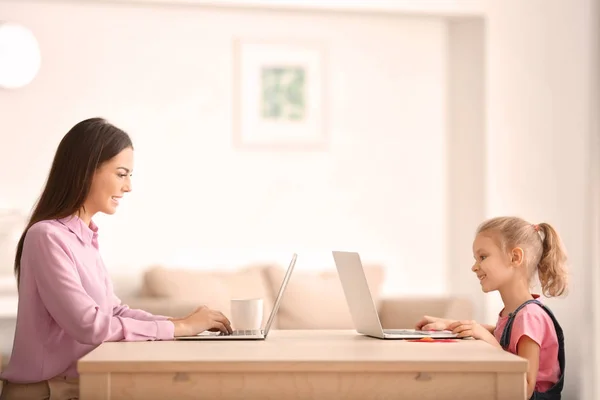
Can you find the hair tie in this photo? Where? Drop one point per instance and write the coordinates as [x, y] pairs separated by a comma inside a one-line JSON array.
[[540, 233]]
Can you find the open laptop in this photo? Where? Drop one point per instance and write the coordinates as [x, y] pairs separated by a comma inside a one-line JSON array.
[[361, 305], [249, 334]]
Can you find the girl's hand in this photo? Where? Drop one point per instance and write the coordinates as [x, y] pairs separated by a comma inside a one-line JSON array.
[[428, 323], [472, 329]]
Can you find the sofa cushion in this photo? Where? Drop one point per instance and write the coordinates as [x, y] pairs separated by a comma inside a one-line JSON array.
[[315, 299], [213, 288]]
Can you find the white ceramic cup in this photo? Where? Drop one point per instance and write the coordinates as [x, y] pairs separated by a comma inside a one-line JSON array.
[[246, 314]]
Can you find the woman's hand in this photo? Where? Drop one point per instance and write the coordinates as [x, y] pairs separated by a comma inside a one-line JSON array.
[[472, 329], [187, 316], [202, 319], [428, 323]]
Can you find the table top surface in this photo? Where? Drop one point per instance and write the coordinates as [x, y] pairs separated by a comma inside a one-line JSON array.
[[301, 350]]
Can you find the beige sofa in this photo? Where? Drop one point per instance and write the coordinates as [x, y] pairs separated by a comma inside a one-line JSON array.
[[313, 299]]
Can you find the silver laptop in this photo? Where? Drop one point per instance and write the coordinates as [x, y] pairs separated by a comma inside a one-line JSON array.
[[249, 334], [361, 305]]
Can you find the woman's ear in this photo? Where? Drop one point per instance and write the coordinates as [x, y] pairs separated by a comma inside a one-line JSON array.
[[517, 256]]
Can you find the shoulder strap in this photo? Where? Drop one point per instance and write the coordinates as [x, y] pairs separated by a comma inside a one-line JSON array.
[[505, 340]]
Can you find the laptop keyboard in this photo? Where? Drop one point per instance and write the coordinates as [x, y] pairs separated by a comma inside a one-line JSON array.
[[243, 332], [407, 332]]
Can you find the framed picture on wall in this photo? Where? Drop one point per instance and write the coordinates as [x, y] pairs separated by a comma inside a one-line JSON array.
[[279, 95]]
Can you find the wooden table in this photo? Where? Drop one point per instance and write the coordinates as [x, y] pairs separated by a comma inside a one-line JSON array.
[[308, 364]]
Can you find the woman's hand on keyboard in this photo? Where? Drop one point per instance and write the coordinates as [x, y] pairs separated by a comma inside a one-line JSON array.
[[202, 319]]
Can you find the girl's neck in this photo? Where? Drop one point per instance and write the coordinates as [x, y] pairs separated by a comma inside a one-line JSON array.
[[513, 296]]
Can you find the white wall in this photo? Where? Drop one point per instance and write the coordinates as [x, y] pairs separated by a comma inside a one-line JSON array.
[[164, 75], [542, 68], [594, 238], [466, 153]]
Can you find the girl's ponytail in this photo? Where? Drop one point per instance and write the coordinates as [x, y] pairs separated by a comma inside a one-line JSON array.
[[552, 268]]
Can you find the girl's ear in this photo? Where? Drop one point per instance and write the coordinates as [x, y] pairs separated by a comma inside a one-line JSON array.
[[517, 256]]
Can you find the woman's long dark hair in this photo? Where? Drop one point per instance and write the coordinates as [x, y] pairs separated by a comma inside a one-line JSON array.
[[82, 150]]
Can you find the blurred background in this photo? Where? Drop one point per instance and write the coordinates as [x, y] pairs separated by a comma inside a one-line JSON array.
[[262, 128]]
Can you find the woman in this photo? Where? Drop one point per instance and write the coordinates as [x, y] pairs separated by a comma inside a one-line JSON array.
[[67, 306]]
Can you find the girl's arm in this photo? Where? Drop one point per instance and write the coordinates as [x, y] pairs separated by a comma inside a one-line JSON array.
[[490, 328], [429, 323], [529, 349], [436, 323]]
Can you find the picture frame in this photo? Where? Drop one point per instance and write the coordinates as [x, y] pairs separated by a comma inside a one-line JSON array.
[[279, 96]]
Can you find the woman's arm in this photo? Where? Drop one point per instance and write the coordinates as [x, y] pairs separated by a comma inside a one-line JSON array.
[[50, 262], [123, 310]]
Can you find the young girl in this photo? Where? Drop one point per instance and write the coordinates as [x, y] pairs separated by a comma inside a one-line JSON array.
[[67, 306], [509, 252]]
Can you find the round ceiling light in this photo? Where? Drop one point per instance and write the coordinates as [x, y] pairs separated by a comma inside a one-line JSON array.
[[20, 56]]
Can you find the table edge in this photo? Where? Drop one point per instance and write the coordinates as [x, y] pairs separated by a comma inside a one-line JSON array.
[[512, 366]]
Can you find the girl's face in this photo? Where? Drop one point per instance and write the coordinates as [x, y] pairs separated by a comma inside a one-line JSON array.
[[494, 267], [111, 181]]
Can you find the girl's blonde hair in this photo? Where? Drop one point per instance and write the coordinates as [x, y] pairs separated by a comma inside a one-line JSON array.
[[543, 249]]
